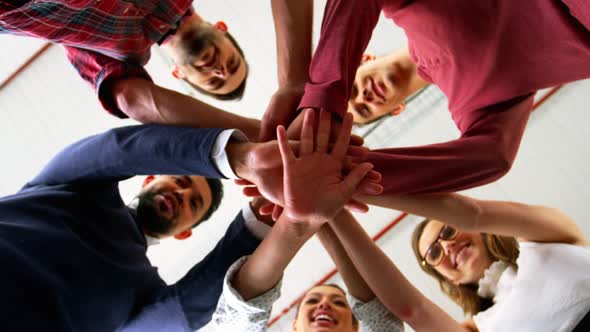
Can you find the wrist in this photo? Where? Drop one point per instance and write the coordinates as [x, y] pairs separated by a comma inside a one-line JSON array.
[[237, 153]]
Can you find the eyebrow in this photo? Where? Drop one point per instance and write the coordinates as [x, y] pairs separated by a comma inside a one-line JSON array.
[[218, 85], [235, 68], [333, 296]]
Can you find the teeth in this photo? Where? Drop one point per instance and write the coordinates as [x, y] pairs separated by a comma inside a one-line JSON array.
[[323, 317]]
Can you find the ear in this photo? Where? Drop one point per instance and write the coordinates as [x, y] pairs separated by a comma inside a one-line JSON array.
[[221, 26], [398, 109], [183, 235], [147, 180], [177, 73], [367, 57]]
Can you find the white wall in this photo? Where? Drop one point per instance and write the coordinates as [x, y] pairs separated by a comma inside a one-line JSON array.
[[48, 107]]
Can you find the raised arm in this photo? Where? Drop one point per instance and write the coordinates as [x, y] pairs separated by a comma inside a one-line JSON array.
[[355, 284], [125, 89], [526, 222], [314, 192], [347, 27], [387, 282], [489, 142], [135, 150], [189, 304], [147, 102], [293, 26]]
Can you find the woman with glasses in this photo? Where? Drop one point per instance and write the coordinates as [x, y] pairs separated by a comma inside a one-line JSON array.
[[511, 266]]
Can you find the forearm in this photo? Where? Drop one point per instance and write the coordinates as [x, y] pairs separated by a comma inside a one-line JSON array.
[[355, 284], [484, 153], [135, 150], [347, 27], [387, 282], [293, 27], [148, 103], [265, 267]]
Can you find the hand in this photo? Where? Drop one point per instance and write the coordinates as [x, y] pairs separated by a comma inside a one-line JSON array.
[[315, 189], [294, 129], [280, 111], [260, 165]]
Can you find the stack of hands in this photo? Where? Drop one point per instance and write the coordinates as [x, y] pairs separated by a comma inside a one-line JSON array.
[[318, 175]]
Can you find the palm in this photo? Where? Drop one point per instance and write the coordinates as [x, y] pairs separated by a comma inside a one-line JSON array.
[[314, 187]]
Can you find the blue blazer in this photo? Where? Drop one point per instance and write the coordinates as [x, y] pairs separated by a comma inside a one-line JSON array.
[[73, 256]]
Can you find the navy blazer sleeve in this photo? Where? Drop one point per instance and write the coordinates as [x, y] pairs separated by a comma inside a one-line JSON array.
[[189, 304], [134, 150]]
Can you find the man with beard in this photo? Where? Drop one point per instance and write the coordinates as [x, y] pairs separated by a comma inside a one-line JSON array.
[[108, 42], [74, 255]]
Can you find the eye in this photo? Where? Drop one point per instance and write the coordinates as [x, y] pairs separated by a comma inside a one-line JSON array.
[[193, 202], [311, 301], [354, 92], [178, 181], [213, 81], [447, 233], [434, 254], [340, 303]]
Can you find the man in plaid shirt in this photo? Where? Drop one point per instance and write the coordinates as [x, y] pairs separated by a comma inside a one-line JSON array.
[[108, 42]]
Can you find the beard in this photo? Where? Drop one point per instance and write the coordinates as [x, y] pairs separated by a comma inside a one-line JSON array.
[[194, 41], [150, 219]]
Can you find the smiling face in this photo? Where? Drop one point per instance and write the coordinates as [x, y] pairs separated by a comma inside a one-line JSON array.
[[324, 308], [380, 87], [208, 59], [170, 205], [465, 257]]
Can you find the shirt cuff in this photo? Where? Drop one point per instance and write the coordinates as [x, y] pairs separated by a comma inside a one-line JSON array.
[[255, 226], [218, 154]]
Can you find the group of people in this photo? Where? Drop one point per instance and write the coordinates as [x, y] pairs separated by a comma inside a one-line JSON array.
[[75, 253]]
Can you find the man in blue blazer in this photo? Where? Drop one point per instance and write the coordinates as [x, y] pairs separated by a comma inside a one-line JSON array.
[[73, 255]]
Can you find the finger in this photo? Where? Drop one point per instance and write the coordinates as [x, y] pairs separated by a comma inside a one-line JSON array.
[[343, 140], [369, 188], [286, 152], [266, 209], [306, 146], [361, 151], [374, 176], [356, 140], [251, 192], [323, 134], [356, 175], [294, 131], [357, 206], [276, 212], [243, 182]]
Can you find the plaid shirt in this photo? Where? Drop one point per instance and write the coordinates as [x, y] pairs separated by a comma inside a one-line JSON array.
[[105, 40]]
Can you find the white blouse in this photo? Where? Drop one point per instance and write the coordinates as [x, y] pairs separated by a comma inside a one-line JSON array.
[[549, 292], [235, 314]]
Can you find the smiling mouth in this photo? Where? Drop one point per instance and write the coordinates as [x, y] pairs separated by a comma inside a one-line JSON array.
[[324, 320], [460, 255], [378, 89], [168, 204]]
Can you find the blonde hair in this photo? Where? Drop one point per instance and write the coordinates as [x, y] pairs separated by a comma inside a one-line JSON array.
[[503, 248]]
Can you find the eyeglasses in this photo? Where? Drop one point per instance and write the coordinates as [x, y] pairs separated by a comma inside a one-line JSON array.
[[435, 253]]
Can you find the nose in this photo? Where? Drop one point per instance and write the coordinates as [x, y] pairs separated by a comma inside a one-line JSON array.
[[324, 304], [367, 95], [448, 246], [220, 71]]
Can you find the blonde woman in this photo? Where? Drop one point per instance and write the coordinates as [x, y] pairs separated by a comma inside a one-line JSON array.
[[544, 288]]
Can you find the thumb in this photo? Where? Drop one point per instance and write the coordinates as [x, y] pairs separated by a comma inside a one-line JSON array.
[[355, 176]]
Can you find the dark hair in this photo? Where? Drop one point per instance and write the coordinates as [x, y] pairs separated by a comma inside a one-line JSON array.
[[195, 47], [216, 188], [503, 248], [354, 319]]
